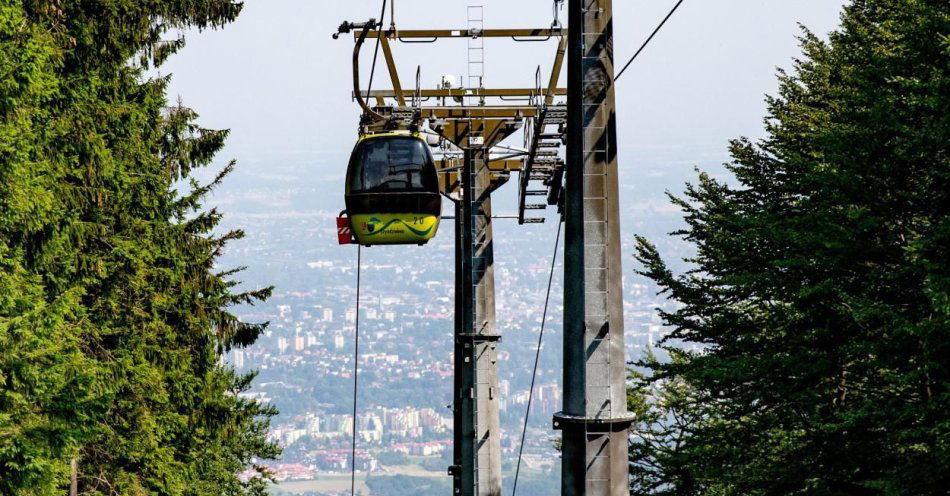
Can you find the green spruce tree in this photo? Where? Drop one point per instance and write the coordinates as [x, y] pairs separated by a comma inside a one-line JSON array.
[[666, 412], [113, 315], [819, 295]]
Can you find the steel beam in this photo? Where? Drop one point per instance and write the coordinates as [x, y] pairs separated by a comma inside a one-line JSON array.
[[434, 34], [480, 335], [451, 170], [594, 421], [476, 466], [550, 92], [393, 72], [480, 112], [556, 72]]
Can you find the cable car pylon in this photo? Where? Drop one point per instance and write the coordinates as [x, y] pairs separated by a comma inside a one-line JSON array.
[[469, 124], [594, 421]]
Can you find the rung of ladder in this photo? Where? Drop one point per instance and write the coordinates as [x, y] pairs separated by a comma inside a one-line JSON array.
[[535, 206], [536, 192], [534, 220]]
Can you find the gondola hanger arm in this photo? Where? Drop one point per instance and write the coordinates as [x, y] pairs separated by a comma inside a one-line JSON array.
[[364, 28]]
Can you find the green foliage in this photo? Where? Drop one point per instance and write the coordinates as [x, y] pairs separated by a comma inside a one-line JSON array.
[[112, 317], [390, 458], [434, 464], [666, 411], [819, 299]]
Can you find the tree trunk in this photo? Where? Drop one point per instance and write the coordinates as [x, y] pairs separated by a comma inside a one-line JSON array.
[[74, 477]]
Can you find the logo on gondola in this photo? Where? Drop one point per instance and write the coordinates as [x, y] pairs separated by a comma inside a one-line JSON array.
[[372, 229]]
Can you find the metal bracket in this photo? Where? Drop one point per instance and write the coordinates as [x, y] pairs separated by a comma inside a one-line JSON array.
[[564, 420], [480, 337]]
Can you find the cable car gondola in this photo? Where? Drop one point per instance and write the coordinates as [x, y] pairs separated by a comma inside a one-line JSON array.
[[392, 190]]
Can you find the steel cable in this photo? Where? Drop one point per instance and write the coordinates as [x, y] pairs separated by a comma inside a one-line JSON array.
[[359, 256], [647, 42], [356, 368], [372, 71], [537, 357]]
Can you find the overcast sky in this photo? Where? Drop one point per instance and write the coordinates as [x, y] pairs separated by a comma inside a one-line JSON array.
[[281, 83]]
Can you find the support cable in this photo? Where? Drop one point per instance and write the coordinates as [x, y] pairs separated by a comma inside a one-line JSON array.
[[356, 368], [537, 357], [647, 42], [379, 32]]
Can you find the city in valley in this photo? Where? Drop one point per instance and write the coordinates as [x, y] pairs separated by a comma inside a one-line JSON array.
[[404, 418]]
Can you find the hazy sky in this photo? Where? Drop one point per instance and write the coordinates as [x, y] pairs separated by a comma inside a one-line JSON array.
[[278, 80]]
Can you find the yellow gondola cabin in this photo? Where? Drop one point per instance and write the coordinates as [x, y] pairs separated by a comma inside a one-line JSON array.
[[392, 190]]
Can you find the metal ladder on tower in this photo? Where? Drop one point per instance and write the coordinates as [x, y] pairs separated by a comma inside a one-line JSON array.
[[476, 138], [476, 48], [543, 164], [475, 56], [599, 394]]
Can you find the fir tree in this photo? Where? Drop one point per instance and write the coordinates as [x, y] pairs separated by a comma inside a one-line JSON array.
[[113, 314], [666, 412], [819, 294]]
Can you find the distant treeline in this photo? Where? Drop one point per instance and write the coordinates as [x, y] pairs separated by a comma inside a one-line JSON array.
[[399, 485]]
